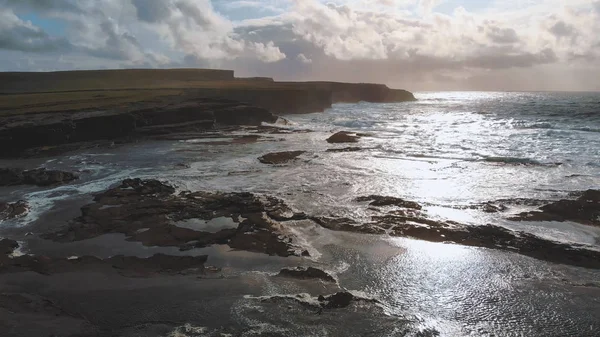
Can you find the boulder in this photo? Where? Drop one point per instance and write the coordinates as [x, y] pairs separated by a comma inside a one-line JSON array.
[[7, 246], [343, 137], [306, 274], [489, 207], [13, 210], [378, 200], [11, 176], [279, 157], [39, 177], [338, 300], [585, 209]]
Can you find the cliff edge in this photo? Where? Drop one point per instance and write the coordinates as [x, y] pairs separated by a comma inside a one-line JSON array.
[[56, 108]]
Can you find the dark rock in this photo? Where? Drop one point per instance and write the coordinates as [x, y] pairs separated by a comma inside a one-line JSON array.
[[416, 225], [346, 225], [13, 210], [521, 202], [585, 209], [7, 246], [262, 241], [356, 92], [30, 314], [378, 200], [43, 177], [337, 300], [592, 196], [129, 266], [491, 208], [21, 134], [346, 149], [278, 130], [279, 157], [20, 303], [148, 210], [306, 273], [343, 137], [11, 176], [39, 177]]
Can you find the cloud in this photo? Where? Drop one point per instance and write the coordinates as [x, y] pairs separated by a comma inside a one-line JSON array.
[[115, 44], [302, 58], [44, 5], [426, 6], [502, 35], [403, 42], [16, 34], [152, 11], [560, 29], [195, 28]]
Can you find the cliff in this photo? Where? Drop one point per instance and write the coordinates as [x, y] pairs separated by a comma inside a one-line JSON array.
[[278, 97], [356, 92], [167, 115], [20, 82], [54, 108]]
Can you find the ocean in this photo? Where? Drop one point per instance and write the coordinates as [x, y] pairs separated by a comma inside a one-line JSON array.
[[448, 151]]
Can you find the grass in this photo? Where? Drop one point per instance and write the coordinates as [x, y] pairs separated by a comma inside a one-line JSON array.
[[64, 92], [19, 104]]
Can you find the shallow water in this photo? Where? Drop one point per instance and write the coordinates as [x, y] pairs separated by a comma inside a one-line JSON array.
[[446, 151]]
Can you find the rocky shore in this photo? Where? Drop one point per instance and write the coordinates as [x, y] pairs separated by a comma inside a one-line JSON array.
[[176, 254], [156, 214]]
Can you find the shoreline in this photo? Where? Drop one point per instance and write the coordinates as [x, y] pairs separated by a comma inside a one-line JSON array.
[[96, 267], [22, 284]]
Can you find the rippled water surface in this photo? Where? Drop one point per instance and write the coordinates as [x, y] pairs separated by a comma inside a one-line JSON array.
[[447, 151]]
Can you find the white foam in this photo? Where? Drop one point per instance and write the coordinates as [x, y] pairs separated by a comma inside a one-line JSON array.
[[41, 201], [19, 251]]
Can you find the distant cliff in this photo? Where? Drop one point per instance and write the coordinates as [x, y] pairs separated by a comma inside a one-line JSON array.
[[356, 92], [278, 97]]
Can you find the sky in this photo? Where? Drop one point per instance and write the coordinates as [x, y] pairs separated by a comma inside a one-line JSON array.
[[413, 44]]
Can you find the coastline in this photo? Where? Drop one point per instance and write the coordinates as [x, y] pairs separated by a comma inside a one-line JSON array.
[[238, 289]]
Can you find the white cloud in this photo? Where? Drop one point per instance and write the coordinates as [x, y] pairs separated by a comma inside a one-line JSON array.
[[302, 58], [16, 34], [403, 42]]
